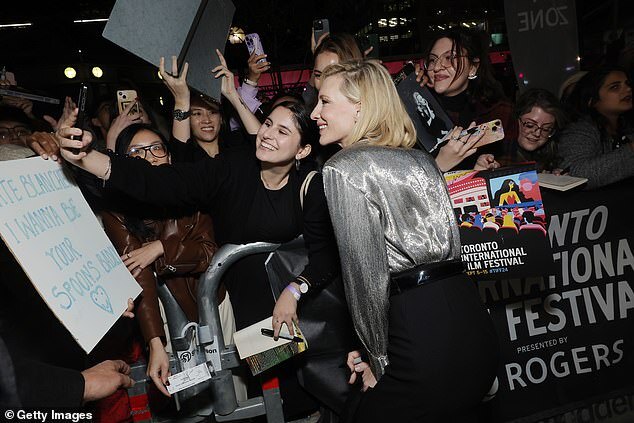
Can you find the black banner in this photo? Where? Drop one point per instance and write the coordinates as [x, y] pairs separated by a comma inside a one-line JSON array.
[[567, 339]]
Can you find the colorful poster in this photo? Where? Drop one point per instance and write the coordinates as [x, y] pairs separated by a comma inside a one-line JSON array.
[[54, 235], [502, 222]]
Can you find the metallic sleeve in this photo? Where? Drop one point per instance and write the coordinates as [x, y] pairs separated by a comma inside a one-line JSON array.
[[364, 263]]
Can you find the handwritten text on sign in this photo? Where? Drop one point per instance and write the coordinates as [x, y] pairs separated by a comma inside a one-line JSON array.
[[49, 227]]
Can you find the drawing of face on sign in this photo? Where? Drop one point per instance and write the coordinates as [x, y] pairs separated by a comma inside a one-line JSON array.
[[424, 109], [101, 299]]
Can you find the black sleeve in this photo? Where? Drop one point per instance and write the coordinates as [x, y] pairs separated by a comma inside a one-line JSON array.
[[323, 265], [43, 385], [190, 185], [188, 151]]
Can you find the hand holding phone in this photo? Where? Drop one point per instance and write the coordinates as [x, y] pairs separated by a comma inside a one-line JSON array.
[[320, 28], [254, 45], [125, 97], [81, 114]]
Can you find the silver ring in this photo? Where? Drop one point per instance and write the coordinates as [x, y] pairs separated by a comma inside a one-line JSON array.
[[128, 255]]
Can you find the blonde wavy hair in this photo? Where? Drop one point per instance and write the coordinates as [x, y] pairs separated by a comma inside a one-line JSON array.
[[383, 119]]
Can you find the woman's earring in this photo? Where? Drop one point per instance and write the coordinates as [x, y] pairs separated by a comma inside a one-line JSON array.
[[474, 76], [297, 164]]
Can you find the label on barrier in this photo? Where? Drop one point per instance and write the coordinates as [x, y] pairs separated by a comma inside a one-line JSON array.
[[188, 378], [213, 354]]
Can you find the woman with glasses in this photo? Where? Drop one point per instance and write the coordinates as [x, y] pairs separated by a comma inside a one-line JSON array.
[[176, 247], [459, 73], [598, 144], [539, 116]]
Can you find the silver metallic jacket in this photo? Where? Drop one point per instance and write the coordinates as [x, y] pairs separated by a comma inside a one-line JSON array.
[[391, 211]]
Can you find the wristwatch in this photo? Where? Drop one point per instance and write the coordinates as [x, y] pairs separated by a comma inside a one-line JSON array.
[[303, 285], [181, 115]]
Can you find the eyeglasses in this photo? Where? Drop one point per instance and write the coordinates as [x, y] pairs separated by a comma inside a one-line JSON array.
[[157, 150], [18, 131], [539, 130], [446, 60]]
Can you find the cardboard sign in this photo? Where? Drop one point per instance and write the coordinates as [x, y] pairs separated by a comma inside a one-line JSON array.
[[430, 120], [188, 29], [54, 235]]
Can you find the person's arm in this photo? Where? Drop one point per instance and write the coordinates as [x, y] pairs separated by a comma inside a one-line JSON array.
[[323, 260], [177, 84], [248, 89], [190, 253], [147, 310], [193, 185], [581, 150], [365, 270], [457, 148], [249, 121]]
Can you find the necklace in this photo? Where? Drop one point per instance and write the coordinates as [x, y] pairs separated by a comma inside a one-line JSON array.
[[269, 187]]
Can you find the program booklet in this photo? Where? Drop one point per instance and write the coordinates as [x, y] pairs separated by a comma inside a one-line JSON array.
[[560, 182], [257, 347]]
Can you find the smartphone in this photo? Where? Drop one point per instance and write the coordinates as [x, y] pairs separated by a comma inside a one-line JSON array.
[[124, 98], [320, 27], [493, 132], [370, 40], [254, 45], [404, 72], [81, 115]]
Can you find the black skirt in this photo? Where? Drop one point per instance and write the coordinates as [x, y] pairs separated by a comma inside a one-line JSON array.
[[443, 353]]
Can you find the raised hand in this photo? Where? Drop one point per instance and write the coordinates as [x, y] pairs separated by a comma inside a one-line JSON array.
[[257, 69], [177, 84], [228, 87]]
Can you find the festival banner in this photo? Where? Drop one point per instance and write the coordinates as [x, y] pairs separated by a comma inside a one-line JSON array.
[[54, 235], [502, 222], [567, 338]]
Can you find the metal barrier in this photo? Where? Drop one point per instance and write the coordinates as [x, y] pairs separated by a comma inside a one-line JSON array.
[[199, 342]]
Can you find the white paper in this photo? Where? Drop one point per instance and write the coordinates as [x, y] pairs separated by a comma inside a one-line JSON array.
[[250, 341], [54, 235], [188, 378]]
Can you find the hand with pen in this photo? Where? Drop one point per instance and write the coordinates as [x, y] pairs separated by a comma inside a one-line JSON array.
[[285, 310], [357, 365]]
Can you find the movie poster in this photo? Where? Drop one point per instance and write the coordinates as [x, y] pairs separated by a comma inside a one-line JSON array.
[[503, 224]]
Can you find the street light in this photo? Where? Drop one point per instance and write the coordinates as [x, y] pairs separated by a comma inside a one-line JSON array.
[[70, 72], [97, 72]]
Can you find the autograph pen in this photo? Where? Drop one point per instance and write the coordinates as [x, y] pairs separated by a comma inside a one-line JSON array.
[[269, 332]]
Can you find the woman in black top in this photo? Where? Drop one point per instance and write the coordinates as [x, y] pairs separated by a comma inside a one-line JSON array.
[[252, 194]]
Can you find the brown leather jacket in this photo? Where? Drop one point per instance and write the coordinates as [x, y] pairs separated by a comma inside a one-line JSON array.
[[188, 243]]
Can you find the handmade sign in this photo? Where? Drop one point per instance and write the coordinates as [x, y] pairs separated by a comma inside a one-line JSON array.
[[54, 235]]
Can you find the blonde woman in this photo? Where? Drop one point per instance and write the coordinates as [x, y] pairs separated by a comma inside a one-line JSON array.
[[427, 337]]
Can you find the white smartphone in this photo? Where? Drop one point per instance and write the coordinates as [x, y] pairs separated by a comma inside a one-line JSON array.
[[254, 45]]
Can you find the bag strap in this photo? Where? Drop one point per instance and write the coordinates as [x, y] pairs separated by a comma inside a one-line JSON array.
[[304, 189]]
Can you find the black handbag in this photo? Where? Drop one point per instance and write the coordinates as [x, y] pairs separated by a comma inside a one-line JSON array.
[[324, 320]]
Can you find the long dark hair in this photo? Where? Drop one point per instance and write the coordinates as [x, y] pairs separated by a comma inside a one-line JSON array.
[[583, 98], [134, 221], [485, 88]]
